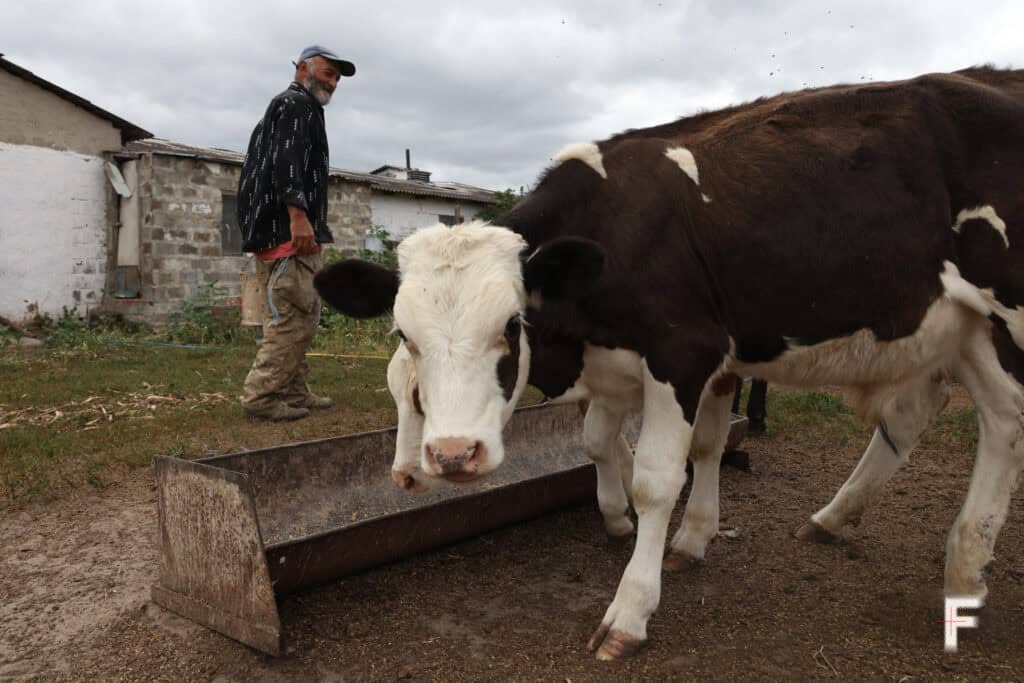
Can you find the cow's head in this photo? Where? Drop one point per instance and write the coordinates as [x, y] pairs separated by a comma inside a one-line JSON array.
[[459, 304]]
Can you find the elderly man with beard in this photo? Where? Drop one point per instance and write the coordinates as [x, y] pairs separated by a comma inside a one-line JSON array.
[[282, 212]]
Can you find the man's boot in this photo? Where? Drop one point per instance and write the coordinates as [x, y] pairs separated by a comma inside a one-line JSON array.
[[279, 412], [313, 402]]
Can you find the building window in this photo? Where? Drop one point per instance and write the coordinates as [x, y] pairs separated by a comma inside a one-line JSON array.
[[230, 234], [449, 220]]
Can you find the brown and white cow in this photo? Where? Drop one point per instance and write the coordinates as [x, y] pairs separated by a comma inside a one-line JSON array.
[[869, 236]]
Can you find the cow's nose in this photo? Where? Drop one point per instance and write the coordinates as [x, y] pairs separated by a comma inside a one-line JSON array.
[[455, 459]]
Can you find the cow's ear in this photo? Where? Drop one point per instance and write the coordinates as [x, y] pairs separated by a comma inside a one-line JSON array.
[[564, 269], [358, 288]]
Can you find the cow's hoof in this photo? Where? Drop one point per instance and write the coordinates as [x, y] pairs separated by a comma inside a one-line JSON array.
[[612, 644], [812, 532], [407, 481], [404, 481], [970, 585], [677, 561]]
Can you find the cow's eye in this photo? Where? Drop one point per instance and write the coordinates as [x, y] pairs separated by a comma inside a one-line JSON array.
[[512, 328]]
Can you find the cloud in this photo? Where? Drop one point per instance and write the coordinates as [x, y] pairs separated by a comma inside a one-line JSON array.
[[484, 92]]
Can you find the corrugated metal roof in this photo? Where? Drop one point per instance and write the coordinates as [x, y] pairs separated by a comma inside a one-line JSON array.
[[177, 149], [129, 131], [442, 190]]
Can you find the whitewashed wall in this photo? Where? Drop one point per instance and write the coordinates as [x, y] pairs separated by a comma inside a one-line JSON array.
[[53, 229], [401, 215]]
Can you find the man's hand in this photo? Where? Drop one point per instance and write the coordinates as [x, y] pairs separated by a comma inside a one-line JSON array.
[[303, 238]]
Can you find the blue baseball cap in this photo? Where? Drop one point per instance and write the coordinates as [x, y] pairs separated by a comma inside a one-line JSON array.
[[346, 67]]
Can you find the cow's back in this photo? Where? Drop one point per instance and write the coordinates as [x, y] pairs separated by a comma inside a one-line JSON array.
[[804, 217]]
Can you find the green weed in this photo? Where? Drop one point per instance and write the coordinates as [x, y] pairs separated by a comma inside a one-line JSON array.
[[204, 318]]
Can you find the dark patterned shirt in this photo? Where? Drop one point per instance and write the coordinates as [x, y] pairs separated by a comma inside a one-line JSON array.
[[287, 163]]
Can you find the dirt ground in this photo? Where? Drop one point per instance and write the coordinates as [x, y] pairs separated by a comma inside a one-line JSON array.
[[519, 604]]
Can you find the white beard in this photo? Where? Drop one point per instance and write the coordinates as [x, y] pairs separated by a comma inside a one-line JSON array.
[[318, 91]]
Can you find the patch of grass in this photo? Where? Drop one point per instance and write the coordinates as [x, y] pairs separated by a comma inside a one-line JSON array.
[[40, 462], [812, 404], [822, 416], [8, 336], [204, 318], [340, 334], [57, 376], [818, 415], [955, 428], [70, 331]]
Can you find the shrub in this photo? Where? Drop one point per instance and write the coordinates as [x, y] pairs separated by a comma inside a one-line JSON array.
[[204, 318]]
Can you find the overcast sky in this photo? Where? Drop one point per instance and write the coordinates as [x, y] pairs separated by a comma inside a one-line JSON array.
[[484, 92]]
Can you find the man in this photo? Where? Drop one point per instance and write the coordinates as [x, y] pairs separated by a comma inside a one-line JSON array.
[[282, 212]]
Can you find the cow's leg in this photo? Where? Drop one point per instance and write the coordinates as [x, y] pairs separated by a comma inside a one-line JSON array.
[[659, 472], [700, 521], [999, 400], [756, 406], [601, 440], [903, 419], [405, 468]]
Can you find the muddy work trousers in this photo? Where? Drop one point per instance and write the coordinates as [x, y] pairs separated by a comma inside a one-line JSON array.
[[291, 312]]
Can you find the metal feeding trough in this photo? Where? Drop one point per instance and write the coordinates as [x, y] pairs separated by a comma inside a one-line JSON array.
[[239, 531]]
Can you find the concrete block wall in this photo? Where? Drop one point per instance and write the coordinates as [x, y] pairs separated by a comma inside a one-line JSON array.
[[181, 201], [182, 208], [349, 214]]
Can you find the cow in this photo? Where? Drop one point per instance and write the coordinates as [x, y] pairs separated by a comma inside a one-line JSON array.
[[869, 236]]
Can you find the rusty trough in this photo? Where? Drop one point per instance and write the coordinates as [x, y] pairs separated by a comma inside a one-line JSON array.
[[239, 531]]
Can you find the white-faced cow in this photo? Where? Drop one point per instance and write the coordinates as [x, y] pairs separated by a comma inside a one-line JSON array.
[[869, 236]]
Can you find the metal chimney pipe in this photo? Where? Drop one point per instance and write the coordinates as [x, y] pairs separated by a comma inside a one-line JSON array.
[[408, 162]]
